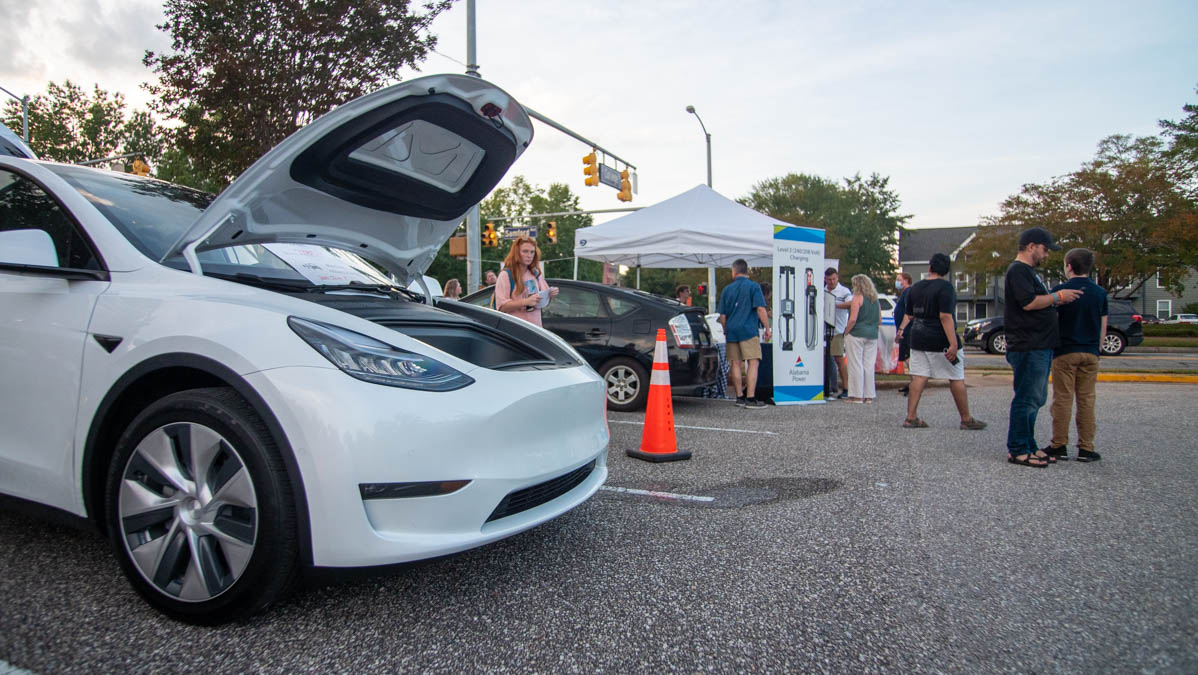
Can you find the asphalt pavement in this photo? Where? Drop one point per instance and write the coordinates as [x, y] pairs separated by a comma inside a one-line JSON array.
[[818, 538]]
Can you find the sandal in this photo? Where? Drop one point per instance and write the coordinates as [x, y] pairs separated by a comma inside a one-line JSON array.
[[1028, 460], [915, 424], [973, 424], [1044, 457]]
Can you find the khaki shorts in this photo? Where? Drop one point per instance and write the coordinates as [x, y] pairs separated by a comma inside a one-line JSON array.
[[745, 350], [934, 366], [837, 347]]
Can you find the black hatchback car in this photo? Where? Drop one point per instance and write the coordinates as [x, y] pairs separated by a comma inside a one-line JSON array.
[[1124, 327], [615, 330]]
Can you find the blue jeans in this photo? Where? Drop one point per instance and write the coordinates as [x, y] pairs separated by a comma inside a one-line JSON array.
[[1031, 391]]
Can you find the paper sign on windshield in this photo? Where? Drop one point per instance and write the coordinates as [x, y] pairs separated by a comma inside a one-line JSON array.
[[321, 265]]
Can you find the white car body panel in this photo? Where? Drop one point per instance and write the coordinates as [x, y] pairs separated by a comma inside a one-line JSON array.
[[509, 429]]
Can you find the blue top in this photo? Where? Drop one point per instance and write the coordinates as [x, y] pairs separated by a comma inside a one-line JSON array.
[[1081, 320], [738, 304], [900, 307]]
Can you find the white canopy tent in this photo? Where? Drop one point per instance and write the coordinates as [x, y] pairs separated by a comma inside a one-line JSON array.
[[698, 228]]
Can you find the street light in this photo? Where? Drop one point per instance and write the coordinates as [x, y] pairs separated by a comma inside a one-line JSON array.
[[24, 113], [691, 109], [710, 270]]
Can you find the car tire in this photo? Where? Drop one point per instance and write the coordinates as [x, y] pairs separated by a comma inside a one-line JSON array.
[[627, 384], [997, 342], [1114, 343], [199, 508]]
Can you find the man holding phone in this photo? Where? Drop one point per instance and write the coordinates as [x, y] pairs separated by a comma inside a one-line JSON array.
[[935, 349]]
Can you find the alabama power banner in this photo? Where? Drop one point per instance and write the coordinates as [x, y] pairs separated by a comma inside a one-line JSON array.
[[798, 340]]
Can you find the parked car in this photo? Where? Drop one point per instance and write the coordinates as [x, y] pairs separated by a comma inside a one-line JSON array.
[[235, 388], [615, 330], [1124, 328], [1183, 318]]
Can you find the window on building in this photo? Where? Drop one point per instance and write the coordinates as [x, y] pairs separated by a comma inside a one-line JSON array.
[[962, 311], [961, 282], [1164, 309], [1158, 280], [979, 310]]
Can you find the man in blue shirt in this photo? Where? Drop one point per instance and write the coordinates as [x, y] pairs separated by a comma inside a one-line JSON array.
[[1082, 328], [742, 309]]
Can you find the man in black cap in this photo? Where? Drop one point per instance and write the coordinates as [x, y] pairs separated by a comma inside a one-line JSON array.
[[1030, 322]]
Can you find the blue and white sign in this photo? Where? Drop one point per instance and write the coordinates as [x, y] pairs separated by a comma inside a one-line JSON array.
[[513, 232], [798, 331]]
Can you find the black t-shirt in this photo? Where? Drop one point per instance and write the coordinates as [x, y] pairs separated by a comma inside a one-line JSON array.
[[1081, 320], [925, 302], [1027, 331]]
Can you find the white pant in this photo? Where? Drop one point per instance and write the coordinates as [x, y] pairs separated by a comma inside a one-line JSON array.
[[861, 354]]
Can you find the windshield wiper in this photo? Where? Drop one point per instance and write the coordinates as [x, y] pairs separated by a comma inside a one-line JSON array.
[[264, 282], [389, 289]]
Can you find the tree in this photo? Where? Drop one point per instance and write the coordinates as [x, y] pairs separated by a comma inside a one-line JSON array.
[[514, 204], [242, 76], [1183, 148], [860, 218], [1126, 205], [68, 125]]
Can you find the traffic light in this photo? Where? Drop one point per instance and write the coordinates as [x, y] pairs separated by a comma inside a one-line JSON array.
[[551, 231], [590, 169], [140, 168], [625, 193], [490, 236], [701, 289]]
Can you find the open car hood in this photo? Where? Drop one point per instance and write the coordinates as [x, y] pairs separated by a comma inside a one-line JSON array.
[[387, 175]]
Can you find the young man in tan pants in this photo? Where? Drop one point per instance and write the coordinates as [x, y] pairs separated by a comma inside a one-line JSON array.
[[1075, 361]]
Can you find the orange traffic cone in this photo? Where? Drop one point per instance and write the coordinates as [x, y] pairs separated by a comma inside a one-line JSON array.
[[899, 369], [658, 443]]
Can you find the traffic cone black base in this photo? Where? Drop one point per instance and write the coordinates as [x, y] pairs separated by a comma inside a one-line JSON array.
[[659, 456]]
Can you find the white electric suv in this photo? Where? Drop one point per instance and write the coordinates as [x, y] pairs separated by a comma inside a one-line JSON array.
[[239, 389]]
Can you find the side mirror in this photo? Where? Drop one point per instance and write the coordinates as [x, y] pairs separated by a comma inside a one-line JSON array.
[[28, 247]]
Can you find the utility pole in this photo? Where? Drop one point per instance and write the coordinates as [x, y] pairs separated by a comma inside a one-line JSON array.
[[474, 250]]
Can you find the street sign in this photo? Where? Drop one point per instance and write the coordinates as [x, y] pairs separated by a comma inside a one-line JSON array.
[[609, 176], [512, 232]]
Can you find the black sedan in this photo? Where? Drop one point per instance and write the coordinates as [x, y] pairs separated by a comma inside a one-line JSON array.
[[615, 330], [1124, 328]]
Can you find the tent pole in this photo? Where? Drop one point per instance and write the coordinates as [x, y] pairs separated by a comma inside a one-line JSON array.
[[711, 290], [575, 268]]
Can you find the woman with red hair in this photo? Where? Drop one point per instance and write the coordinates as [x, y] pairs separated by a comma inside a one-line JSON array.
[[521, 286]]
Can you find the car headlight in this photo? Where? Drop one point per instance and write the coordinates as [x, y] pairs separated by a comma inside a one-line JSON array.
[[374, 361]]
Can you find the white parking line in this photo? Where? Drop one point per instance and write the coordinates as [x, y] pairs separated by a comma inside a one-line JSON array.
[[683, 426], [654, 493]]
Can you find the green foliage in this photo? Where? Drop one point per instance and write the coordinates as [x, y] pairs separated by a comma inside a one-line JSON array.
[[1182, 152], [515, 203], [68, 125], [1191, 308], [1126, 205], [242, 76], [860, 218]]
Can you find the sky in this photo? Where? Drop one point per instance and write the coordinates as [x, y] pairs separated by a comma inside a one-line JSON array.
[[958, 103]]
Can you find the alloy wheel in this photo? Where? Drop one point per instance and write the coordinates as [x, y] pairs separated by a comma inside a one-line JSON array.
[[188, 512], [623, 384]]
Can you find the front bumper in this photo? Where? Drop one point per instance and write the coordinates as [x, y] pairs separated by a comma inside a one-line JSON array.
[[507, 432]]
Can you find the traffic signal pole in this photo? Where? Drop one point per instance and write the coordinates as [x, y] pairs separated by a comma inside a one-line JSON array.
[[474, 250]]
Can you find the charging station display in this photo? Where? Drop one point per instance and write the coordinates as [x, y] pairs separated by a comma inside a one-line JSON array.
[[798, 362]]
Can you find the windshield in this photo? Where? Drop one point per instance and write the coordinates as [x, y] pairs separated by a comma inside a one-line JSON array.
[[153, 214]]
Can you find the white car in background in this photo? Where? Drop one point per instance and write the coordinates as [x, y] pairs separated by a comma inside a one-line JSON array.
[[236, 388]]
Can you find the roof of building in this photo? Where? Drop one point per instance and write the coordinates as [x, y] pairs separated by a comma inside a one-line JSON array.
[[917, 246]]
